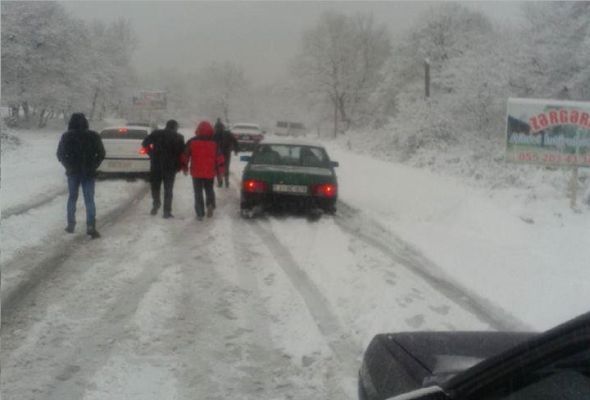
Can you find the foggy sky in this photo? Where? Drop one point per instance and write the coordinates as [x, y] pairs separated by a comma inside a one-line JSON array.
[[261, 36]]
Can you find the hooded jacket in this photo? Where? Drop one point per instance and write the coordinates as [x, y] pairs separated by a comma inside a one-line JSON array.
[[80, 150], [201, 151], [165, 149]]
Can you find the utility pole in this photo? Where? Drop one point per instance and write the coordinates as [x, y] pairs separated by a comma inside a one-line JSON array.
[[574, 178], [335, 120], [426, 78]]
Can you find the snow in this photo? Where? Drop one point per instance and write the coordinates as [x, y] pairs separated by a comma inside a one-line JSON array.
[[530, 257], [369, 292], [31, 173], [272, 308], [26, 170]]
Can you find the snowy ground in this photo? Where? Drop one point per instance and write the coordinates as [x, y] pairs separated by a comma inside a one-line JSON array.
[[277, 308], [529, 256], [31, 169]]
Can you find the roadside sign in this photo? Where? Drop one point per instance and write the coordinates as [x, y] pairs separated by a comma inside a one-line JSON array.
[[548, 132], [152, 99]]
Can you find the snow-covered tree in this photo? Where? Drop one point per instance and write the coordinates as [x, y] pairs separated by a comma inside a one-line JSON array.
[[35, 39], [53, 64], [110, 75], [341, 60], [556, 42], [221, 85]]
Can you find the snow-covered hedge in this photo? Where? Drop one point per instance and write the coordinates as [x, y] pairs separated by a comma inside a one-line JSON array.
[[8, 140]]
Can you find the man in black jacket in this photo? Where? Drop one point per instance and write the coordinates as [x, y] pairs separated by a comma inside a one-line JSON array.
[[165, 148], [81, 151], [226, 143]]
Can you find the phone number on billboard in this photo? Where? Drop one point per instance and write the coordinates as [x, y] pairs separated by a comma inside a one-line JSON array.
[[569, 159]]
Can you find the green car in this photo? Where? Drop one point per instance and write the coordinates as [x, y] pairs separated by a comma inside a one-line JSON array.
[[288, 175]]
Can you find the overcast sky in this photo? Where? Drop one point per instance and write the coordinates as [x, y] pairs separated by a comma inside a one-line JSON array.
[[261, 36]]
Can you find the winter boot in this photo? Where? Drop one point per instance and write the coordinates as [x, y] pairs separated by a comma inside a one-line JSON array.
[[210, 209], [92, 232], [154, 210], [70, 228], [167, 215]]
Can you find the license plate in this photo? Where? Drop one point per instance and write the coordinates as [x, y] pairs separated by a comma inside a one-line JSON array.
[[119, 164], [299, 189]]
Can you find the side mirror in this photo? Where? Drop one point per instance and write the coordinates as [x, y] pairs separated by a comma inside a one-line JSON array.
[[334, 164], [245, 158]]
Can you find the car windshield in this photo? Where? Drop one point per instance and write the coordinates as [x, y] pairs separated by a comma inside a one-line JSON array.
[[295, 155], [292, 200]]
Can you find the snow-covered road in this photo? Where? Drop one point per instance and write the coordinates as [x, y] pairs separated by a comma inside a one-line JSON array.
[[177, 309], [274, 308]]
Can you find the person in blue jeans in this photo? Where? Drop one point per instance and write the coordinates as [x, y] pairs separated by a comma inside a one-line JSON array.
[[81, 152]]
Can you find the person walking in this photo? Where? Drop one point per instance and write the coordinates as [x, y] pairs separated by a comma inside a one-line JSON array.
[[227, 144], [218, 129], [81, 152], [201, 152], [165, 148]]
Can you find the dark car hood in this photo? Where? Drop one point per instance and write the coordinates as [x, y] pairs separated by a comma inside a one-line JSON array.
[[444, 354], [397, 363]]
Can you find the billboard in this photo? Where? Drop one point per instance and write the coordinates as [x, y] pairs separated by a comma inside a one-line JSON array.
[[152, 99], [548, 132]]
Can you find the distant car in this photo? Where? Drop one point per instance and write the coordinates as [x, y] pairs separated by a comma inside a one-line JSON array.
[[479, 365], [125, 157], [150, 125], [289, 175], [287, 128], [247, 135]]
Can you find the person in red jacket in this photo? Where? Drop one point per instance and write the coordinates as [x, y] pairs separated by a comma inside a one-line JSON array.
[[201, 152]]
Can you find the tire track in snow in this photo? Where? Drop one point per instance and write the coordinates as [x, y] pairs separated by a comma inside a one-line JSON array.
[[373, 234], [318, 377], [41, 201], [395, 248], [64, 371], [100, 340], [340, 341], [41, 262]]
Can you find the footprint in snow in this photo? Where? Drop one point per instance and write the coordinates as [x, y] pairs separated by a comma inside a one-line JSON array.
[[442, 310], [269, 279], [416, 321]]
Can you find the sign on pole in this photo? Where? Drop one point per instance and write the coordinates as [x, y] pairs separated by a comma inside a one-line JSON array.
[[150, 99], [548, 132]]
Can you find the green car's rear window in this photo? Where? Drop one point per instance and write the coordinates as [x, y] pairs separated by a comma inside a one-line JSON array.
[[279, 154]]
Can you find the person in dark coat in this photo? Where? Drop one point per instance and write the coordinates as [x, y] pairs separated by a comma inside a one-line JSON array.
[[201, 152], [227, 144], [218, 129], [165, 148], [81, 152]]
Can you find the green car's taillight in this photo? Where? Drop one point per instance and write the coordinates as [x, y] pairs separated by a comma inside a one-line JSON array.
[[328, 190], [254, 186]]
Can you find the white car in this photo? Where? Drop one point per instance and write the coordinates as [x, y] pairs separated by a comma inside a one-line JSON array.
[[125, 156], [247, 135], [287, 128]]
